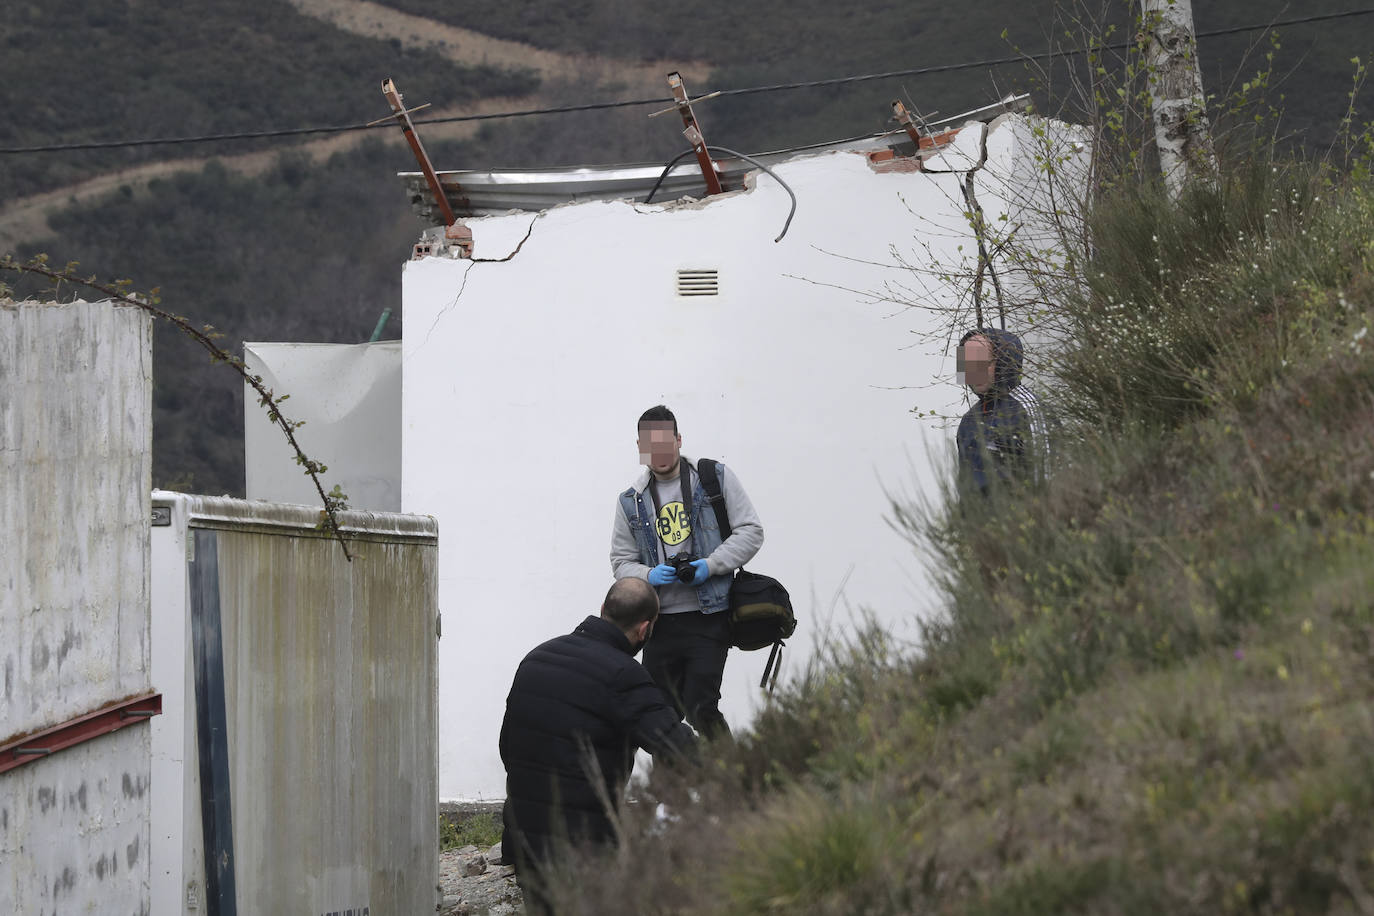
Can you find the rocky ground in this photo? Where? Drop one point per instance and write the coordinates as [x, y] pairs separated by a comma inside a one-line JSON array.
[[473, 884]]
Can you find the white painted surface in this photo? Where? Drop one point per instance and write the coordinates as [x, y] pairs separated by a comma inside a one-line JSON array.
[[524, 379], [349, 395], [74, 829], [177, 850], [75, 408]]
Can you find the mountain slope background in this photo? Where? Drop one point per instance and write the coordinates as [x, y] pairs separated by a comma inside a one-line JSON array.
[[302, 239]]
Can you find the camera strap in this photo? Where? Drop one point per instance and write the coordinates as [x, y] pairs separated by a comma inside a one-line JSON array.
[[685, 477]]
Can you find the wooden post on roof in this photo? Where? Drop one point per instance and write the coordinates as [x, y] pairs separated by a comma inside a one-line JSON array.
[[693, 134], [393, 96], [904, 118]]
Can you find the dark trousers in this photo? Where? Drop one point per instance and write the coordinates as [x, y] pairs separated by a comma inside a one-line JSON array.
[[532, 892], [686, 659]]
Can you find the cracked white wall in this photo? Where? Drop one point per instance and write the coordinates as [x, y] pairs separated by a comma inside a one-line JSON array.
[[523, 380], [75, 447]]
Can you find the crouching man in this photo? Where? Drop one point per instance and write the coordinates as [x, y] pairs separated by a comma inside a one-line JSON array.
[[666, 532], [578, 709]]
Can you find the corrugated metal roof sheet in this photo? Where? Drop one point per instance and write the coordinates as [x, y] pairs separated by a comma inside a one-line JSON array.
[[481, 192]]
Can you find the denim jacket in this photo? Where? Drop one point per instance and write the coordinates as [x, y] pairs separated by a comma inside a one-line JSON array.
[[713, 595]]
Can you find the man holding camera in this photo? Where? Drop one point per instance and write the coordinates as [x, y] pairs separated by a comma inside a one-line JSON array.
[[666, 532]]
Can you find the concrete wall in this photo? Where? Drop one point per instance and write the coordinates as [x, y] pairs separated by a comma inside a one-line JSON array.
[[328, 675], [75, 407], [523, 380]]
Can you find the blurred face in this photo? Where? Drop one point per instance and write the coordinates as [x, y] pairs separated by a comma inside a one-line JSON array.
[[974, 363], [660, 448]]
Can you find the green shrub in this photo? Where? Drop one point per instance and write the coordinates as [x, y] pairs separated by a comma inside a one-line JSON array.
[[482, 829], [814, 852]]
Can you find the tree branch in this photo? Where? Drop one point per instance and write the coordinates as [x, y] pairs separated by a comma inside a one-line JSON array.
[[119, 291]]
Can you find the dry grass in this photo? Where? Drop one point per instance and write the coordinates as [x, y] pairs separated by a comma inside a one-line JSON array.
[[1152, 691]]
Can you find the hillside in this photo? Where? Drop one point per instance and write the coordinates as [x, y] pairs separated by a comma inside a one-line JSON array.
[[1152, 691], [317, 255], [165, 69]]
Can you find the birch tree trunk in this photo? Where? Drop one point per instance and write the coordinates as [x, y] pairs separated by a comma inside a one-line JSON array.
[[1176, 101]]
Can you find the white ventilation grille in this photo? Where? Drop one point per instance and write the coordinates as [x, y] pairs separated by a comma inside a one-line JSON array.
[[698, 283]]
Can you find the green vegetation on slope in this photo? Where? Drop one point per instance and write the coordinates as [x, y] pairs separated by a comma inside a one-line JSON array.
[[1151, 691], [461, 828], [117, 70]]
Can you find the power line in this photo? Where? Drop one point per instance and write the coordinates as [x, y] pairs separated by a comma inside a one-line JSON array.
[[630, 103]]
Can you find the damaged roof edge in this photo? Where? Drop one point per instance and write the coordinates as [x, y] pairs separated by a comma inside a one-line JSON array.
[[483, 192]]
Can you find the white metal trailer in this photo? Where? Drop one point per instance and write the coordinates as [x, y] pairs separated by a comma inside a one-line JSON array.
[[294, 767]]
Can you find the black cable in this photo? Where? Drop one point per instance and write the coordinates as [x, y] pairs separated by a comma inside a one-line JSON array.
[[337, 129], [729, 152], [752, 161], [602, 106], [664, 174], [207, 138]]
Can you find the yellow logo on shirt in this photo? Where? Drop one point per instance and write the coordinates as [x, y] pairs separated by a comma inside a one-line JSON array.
[[674, 525]]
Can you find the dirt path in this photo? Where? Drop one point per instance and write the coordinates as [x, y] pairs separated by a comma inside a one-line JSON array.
[[25, 219], [468, 47]]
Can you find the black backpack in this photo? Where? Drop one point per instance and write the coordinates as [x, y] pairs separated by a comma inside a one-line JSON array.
[[760, 608]]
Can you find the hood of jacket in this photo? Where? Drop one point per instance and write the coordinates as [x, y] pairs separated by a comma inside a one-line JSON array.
[[1007, 357], [646, 475]]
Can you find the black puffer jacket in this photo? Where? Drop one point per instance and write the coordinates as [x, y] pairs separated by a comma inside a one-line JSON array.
[[579, 707]]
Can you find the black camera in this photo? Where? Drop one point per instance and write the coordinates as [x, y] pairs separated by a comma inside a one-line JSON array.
[[682, 563]]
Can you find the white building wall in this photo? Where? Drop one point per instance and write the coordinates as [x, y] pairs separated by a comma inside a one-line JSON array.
[[523, 380], [75, 408]]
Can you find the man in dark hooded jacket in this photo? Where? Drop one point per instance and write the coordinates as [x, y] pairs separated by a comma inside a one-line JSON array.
[[1003, 436], [578, 709]]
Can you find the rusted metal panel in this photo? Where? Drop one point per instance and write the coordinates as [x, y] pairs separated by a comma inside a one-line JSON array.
[[330, 694]]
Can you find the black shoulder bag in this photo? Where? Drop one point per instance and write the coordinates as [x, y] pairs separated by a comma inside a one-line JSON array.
[[760, 608]]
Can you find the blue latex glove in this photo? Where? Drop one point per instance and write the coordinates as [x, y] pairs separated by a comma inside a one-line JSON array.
[[662, 574], [703, 572]]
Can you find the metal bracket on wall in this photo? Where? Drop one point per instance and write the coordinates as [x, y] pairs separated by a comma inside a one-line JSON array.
[[904, 118], [402, 116], [79, 730], [692, 131]]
